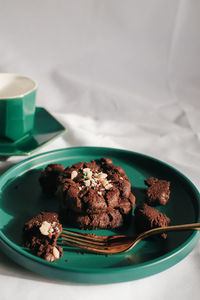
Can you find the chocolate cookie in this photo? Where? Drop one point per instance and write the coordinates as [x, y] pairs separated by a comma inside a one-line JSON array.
[[147, 217], [108, 219], [95, 195], [48, 178], [158, 191], [41, 233]]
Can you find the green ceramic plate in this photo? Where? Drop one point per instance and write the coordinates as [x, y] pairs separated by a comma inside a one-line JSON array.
[[46, 129], [21, 199]]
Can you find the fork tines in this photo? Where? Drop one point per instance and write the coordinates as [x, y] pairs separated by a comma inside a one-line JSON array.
[[93, 243], [85, 241], [83, 238]]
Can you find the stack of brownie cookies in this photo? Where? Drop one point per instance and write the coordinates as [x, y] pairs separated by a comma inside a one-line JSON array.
[[95, 195]]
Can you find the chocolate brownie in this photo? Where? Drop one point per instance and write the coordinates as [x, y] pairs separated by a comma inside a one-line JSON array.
[[147, 217], [41, 233], [158, 191], [48, 178], [108, 219], [95, 195]]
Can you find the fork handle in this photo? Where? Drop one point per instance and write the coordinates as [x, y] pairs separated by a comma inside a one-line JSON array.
[[159, 230]]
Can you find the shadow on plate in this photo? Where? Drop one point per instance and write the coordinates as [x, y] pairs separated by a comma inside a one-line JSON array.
[[21, 200]]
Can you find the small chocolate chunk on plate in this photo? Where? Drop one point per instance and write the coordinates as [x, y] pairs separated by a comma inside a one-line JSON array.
[[158, 191], [48, 178], [147, 217]]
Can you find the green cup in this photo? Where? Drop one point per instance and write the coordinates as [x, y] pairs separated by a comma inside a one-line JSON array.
[[17, 106]]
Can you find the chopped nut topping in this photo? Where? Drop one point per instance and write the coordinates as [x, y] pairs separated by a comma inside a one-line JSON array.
[[45, 228], [87, 182], [95, 179], [57, 229], [99, 193], [56, 253], [103, 182], [74, 174], [88, 172], [102, 176], [121, 178], [108, 186], [93, 182]]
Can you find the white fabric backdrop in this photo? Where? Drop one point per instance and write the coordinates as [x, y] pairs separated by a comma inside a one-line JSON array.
[[122, 74]]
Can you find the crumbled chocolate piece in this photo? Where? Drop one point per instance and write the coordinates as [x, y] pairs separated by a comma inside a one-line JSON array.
[[48, 178], [49, 252], [41, 233], [158, 191], [95, 195], [147, 217]]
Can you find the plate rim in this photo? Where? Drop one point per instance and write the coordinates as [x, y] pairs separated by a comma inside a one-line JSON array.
[[192, 238]]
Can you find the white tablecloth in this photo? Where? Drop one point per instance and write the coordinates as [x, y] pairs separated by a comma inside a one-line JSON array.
[[121, 74]]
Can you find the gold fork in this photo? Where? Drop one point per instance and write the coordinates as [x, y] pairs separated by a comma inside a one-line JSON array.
[[116, 243]]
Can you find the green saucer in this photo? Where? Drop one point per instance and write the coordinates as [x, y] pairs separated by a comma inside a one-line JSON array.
[[46, 129], [21, 198]]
